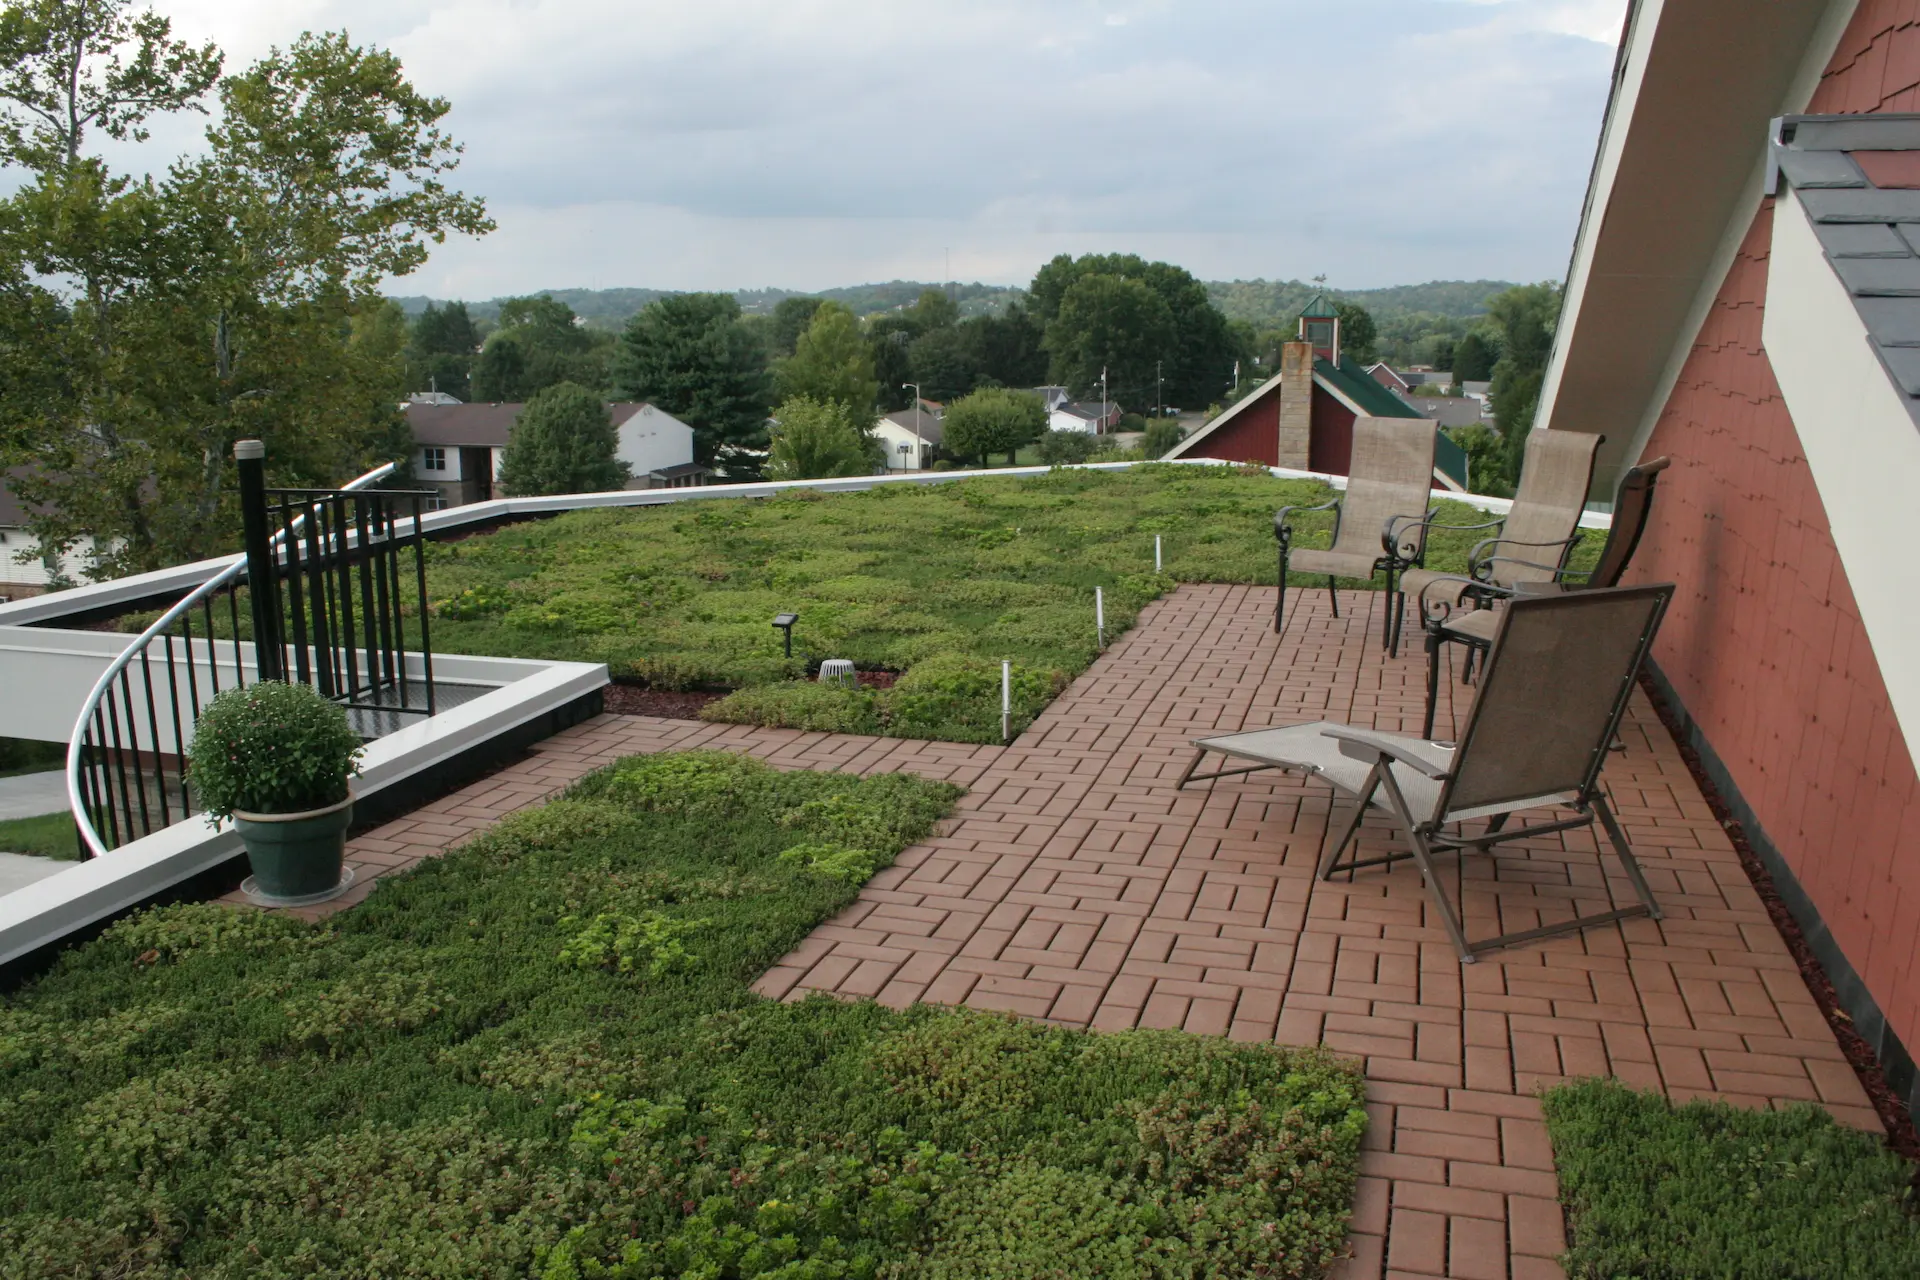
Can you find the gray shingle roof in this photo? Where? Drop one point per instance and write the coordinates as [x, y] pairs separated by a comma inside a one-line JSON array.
[[1871, 234]]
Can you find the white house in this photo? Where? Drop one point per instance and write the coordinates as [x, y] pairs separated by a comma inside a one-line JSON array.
[[457, 447], [25, 570], [909, 437], [1072, 416]]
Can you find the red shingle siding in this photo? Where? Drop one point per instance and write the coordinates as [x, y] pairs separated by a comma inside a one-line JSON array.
[[1252, 436], [1877, 65], [1764, 643]]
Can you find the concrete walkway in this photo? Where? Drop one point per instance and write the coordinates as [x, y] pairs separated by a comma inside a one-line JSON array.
[[18, 870], [28, 795], [1078, 885]]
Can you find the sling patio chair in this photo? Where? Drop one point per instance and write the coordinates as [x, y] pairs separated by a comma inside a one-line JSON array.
[[1495, 574], [1388, 488], [1552, 694]]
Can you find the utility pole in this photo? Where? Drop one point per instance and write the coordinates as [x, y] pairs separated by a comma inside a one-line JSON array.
[[920, 448], [1103, 401], [1159, 398]]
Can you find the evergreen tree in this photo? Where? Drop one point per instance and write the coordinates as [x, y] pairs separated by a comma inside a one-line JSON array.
[[1473, 358], [791, 316], [562, 442], [692, 355]]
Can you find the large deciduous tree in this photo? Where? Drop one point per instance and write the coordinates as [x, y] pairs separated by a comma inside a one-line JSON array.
[[1196, 355], [1526, 315], [562, 442], [831, 362], [1114, 324], [235, 296], [691, 355], [1359, 339], [440, 350], [1474, 357], [993, 420]]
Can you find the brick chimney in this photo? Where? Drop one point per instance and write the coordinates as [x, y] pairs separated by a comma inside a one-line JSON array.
[[1296, 403]]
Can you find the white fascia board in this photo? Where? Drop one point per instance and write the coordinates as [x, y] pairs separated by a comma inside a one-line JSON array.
[[1860, 441], [1643, 20]]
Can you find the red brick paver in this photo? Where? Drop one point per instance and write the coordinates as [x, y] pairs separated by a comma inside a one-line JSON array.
[[1076, 884]]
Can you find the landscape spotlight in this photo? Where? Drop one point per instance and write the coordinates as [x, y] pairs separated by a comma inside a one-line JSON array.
[[785, 621]]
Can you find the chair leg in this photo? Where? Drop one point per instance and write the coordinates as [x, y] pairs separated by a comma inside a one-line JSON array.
[[1280, 604], [1433, 681], [1329, 858], [1333, 596], [1423, 857], [1625, 853], [1386, 627]]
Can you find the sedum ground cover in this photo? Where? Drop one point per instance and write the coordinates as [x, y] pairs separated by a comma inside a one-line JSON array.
[[1710, 1190], [939, 581], [539, 1056]]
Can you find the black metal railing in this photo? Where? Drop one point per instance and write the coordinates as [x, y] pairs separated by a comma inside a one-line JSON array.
[[323, 595]]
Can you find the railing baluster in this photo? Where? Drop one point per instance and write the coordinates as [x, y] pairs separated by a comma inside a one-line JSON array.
[[420, 575], [296, 597], [105, 773], [233, 611], [179, 739], [363, 566], [120, 760], [213, 652], [344, 593]]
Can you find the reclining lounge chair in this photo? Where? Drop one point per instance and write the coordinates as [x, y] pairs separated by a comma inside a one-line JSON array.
[[1552, 693]]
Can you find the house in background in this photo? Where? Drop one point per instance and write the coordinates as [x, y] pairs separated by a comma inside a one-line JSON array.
[[26, 570], [1093, 419], [1302, 417], [457, 447], [1742, 299], [911, 437], [1448, 411]]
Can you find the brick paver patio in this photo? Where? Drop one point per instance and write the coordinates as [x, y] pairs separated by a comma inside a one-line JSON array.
[[1077, 884]]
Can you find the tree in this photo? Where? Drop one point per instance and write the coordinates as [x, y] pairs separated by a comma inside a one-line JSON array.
[[934, 310], [1062, 448], [791, 316], [942, 362], [814, 439], [538, 343], [1196, 358], [562, 442], [691, 355], [440, 350], [1441, 352], [1526, 315], [1359, 340], [236, 296], [1473, 358], [1111, 323], [831, 362], [1006, 348], [993, 420], [889, 341], [1161, 436]]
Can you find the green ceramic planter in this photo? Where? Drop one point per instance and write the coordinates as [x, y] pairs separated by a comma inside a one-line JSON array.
[[298, 858]]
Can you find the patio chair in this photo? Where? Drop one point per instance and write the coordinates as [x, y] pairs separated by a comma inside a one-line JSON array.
[[1494, 574], [1387, 491], [1552, 694], [1554, 479]]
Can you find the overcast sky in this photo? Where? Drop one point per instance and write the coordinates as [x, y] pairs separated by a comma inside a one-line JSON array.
[[725, 144]]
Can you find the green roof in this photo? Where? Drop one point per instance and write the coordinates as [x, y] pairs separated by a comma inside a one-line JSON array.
[[1353, 383], [1319, 309]]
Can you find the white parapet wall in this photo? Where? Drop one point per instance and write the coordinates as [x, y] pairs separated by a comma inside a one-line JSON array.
[[86, 892]]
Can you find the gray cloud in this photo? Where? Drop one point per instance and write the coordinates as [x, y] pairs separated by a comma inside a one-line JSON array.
[[814, 142]]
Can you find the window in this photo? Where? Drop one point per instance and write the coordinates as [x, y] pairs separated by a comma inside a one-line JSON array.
[[906, 448], [433, 459], [435, 504]]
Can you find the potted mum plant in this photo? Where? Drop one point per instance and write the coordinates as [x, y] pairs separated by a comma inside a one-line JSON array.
[[276, 758]]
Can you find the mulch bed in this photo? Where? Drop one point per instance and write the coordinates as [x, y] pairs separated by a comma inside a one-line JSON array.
[[685, 704], [1901, 1135]]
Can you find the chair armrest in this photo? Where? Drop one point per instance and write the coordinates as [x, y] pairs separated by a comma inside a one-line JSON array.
[[1480, 561], [1364, 745], [1283, 523], [1398, 540]]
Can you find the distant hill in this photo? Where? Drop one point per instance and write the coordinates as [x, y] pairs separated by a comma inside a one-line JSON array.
[[1277, 302], [1260, 302], [612, 308]]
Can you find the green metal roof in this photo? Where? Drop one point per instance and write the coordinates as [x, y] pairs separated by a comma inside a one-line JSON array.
[[1319, 309], [1353, 383]]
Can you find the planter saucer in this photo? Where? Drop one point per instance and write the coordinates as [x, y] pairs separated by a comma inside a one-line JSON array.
[[304, 900]]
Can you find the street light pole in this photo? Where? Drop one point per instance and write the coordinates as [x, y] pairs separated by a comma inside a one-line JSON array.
[[920, 447], [1158, 396], [1103, 401]]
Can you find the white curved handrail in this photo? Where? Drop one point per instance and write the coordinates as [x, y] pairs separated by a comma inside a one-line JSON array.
[[75, 799]]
